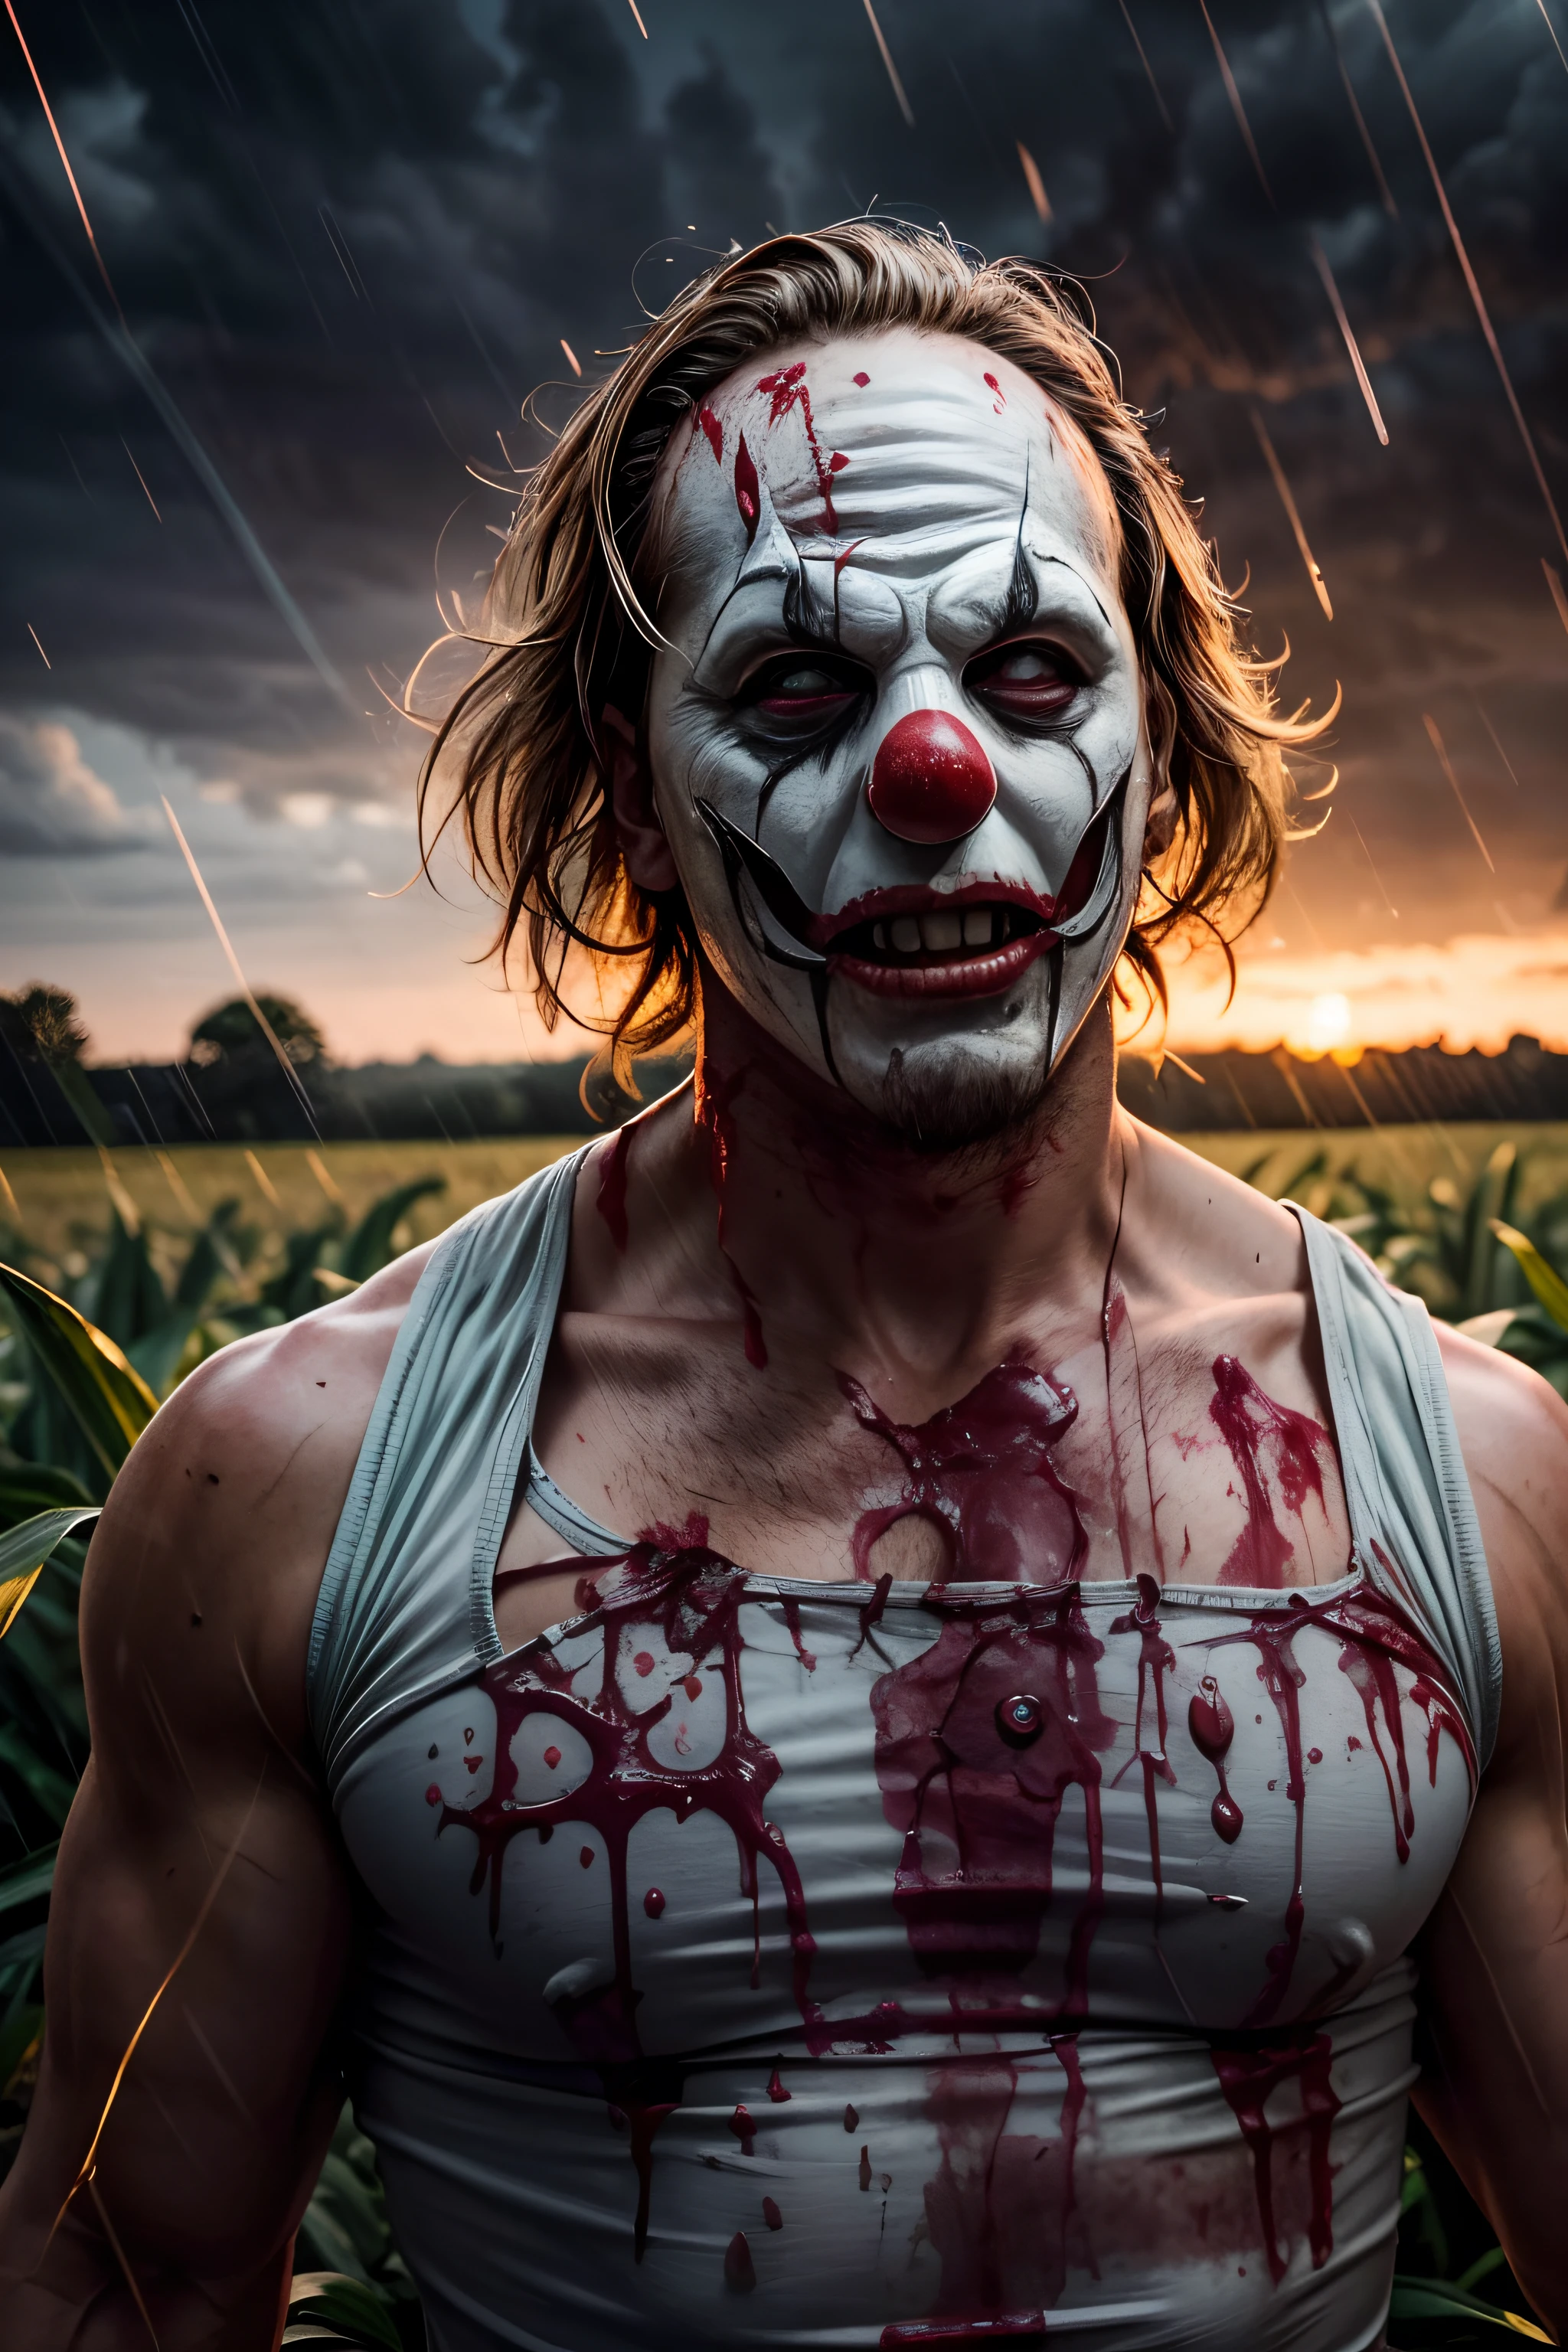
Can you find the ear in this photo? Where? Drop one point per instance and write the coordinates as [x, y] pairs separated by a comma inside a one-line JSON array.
[[1159, 827], [630, 795]]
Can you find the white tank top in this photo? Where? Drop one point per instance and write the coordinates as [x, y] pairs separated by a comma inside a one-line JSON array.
[[751, 1963]]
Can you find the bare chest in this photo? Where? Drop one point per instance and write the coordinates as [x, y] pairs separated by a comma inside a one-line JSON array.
[[1194, 1456]]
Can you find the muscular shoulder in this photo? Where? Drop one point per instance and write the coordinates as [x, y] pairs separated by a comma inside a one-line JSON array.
[[211, 1546], [1513, 1434]]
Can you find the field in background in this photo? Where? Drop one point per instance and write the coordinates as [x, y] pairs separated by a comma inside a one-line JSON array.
[[62, 1197]]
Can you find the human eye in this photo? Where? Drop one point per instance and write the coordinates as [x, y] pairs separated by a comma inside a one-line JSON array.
[[803, 694], [1024, 683]]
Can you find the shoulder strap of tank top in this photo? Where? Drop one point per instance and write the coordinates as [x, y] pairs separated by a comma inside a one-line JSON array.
[[1413, 1520], [406, 1599]]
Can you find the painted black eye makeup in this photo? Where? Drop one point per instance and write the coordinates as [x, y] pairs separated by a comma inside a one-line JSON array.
[[1027, 683], [802, 693]]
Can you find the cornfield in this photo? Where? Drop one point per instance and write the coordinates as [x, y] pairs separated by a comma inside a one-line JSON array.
[[92, 1339]]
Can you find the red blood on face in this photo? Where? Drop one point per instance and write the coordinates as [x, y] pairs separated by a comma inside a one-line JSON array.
[[931, 781]]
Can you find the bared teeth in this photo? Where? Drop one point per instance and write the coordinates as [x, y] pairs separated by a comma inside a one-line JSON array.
[[945, 932]]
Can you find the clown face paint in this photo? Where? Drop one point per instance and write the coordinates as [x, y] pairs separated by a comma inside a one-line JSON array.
[[896, 734]]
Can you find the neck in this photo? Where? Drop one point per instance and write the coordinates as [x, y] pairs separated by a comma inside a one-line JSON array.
[[845, 1235]]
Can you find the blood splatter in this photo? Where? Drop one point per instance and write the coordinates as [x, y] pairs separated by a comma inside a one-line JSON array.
[[745, 2131], [1372, 1632], [851, 2119], [862, 379], [433, 1795], [643, 1662], [776, 2091], [1155, 1659], [695, 1598], [981, 1470], [771, 2215], [653, 1903], [865, 2168], [1250, 1421], [1000, 401], [973, 1900], [1249, 2078], [1212, 1727], [710, 425], [553, 1757], [740, 2272], [789, 389], [586, 1857], [611, 1199]]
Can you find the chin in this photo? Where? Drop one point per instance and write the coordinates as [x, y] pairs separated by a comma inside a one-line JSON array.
[[945, 1083]]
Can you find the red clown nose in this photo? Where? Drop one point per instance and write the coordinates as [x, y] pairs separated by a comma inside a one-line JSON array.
[[931, 782]]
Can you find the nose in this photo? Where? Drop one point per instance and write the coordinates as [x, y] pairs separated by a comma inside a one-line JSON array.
[[930, 781]]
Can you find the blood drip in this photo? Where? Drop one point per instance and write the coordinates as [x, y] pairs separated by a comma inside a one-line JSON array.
[[771, 2215], [747, 490], [1373, 1633], [790, 1606], [1248, 2079], [789, 390], [745, 2131], [984, 2209], [981, 1470], [653, 1903], [865, 2170], [1212, 1727], [776, 2091], [1155, 1659], [947, 1773], [715, 1109], [710, 424], [695, 1598], [611, 1202], [1248, 1420], [740, 2272], [1000, 403], [851, 2119]]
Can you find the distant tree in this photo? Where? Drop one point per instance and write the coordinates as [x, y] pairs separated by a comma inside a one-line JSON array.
[[41, 1023], [231, 1034]]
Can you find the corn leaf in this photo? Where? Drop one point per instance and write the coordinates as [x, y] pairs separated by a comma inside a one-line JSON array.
[[1545, 1281], [1423, 2298], [25, 1881], [106, 1396], [24, 1550], [359, 2314]]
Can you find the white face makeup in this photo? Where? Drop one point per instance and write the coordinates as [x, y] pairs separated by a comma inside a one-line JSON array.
[[897, 735]]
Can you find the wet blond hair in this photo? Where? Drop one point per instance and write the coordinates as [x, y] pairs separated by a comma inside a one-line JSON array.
[[563, 630]]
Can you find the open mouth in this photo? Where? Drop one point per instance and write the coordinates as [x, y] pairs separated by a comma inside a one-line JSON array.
[[976, 949]]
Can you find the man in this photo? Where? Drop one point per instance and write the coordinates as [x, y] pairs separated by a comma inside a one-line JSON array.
[[991, 1910]]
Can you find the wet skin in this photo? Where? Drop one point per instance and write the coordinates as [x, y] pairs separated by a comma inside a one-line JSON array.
[[764, 1281]]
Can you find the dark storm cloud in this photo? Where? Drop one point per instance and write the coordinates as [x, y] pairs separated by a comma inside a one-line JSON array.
[[349, 236]]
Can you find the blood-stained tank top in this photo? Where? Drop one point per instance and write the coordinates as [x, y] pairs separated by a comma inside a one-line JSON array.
[[759, 1963]]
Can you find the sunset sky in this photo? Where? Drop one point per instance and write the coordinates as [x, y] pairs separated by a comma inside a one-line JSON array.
[[348, 237]]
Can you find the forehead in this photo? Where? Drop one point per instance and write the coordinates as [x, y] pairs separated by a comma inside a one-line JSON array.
[[916, 449]]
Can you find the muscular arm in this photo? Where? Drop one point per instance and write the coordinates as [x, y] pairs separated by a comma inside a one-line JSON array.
[[1496, 2090], [199, 1921]]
